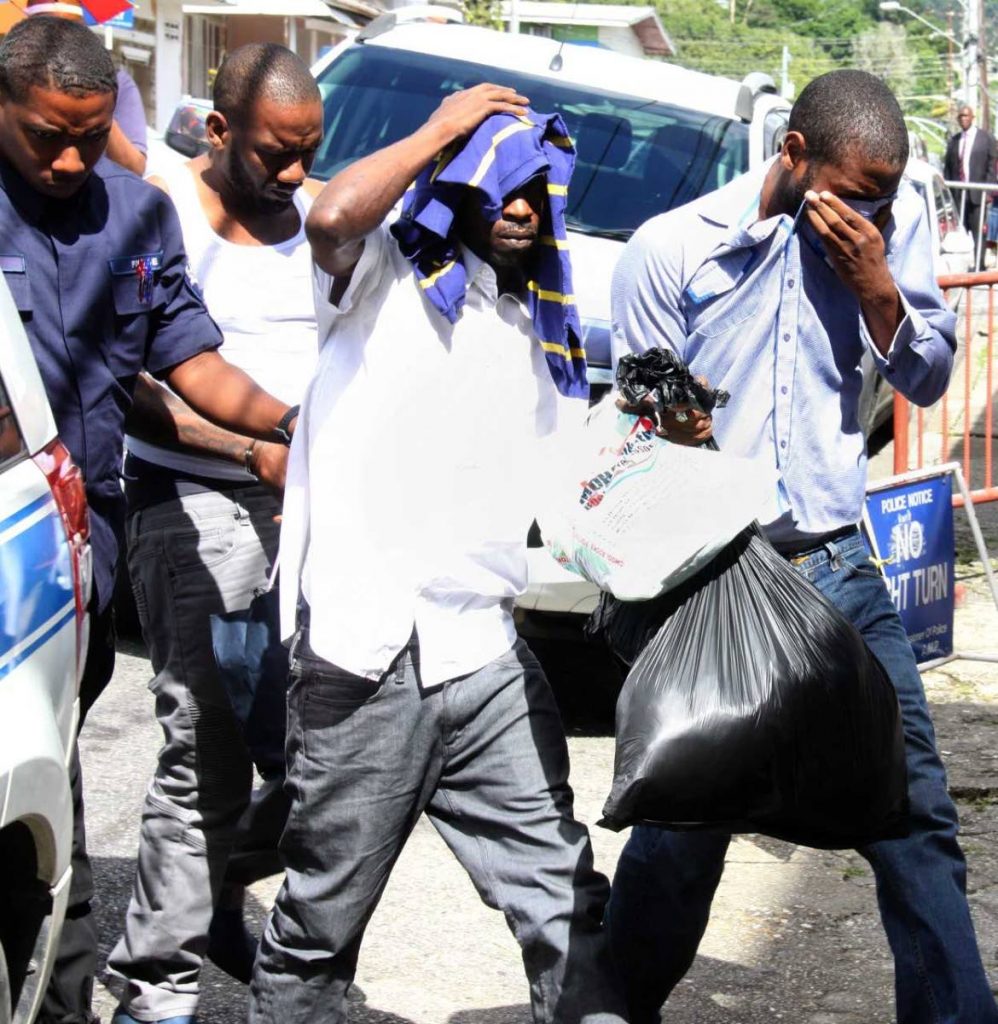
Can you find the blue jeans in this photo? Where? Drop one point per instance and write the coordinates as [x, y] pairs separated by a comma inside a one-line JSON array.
[[665, 881], [198, 556]]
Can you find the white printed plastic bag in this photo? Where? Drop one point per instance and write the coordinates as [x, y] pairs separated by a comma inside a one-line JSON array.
[[644, 514]]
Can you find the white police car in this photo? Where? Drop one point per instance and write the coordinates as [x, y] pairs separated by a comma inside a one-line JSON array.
[[45, 571]]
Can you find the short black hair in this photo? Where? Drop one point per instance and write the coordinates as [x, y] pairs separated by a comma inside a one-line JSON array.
[[54, 53], [850, 111], [261, 71]]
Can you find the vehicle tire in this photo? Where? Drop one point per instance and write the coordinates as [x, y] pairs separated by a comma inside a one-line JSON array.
[[5, 1007]]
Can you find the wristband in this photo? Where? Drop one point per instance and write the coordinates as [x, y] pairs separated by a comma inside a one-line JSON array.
[[248, 457], [281, 430]]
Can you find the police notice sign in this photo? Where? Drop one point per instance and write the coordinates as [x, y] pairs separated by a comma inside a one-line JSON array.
[[912, 526]]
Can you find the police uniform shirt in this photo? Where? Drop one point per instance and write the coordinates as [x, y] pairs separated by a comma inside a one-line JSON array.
[[101, 285]]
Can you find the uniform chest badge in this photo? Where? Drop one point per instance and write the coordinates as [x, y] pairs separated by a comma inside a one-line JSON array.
[[143, 268]]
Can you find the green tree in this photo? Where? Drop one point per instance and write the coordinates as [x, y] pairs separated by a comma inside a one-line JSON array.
[[483, 12], [883, 51]]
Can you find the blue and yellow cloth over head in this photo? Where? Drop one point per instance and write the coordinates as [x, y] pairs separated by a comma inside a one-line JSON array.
[[502, 154]]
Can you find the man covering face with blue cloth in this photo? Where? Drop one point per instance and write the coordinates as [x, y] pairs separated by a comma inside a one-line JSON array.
[[449, 355]]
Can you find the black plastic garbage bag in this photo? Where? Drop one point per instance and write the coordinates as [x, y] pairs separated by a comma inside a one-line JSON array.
[[753, 705], [253, 665]]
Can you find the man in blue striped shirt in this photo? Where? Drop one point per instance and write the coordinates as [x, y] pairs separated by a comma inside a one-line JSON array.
[[774, 288]]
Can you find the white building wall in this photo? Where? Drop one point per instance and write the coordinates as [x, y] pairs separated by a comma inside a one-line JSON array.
[[622, 40], [169, 59]]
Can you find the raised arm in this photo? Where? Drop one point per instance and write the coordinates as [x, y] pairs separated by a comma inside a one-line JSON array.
[[359, 198]]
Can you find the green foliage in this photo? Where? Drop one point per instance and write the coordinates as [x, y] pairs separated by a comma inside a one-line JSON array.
[[483, 12], [819, 37]]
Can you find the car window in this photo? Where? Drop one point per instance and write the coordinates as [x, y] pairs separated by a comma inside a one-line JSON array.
[[635, 158], [186, 132], [12, 445]]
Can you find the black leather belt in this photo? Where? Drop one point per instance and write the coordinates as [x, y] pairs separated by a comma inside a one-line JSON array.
[[804, 546]]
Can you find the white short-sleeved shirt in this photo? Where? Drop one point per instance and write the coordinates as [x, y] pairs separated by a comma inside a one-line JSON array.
[[415, 470]]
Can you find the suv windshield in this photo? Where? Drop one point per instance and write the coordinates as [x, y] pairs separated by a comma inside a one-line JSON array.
[[635, 158]]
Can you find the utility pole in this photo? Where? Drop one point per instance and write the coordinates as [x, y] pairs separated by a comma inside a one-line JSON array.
[[971, 34], [949, 67], [786, 86], [982, 63]]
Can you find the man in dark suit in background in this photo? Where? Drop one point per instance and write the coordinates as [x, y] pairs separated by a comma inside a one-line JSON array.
[[971, 156]]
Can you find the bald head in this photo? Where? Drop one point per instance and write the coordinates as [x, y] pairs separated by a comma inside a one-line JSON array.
[[261, 71]]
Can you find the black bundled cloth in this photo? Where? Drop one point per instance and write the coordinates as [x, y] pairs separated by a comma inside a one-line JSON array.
[[752, 704]]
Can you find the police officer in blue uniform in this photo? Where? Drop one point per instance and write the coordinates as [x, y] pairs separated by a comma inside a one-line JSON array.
[[94, 259]]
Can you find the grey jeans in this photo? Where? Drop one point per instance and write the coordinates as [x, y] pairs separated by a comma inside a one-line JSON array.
[[485, 757], [190, 558]]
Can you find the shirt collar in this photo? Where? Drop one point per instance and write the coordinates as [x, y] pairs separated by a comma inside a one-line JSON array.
[[736, 207], [35, 206], [483, 279], [480, 275], [21, 194], [737, 204]]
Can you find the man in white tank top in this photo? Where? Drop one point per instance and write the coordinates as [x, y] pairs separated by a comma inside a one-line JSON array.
[[202, 533]]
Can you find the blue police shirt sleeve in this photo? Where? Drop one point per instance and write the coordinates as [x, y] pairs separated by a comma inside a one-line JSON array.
[[182, 326], [646, 291], [920, 358]]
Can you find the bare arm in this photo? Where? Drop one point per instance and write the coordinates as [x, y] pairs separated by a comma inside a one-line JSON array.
[[158, 416], [123, 152], [227, 396], [358, 199]]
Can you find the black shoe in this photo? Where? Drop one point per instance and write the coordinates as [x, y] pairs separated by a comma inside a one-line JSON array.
[[231, 947]]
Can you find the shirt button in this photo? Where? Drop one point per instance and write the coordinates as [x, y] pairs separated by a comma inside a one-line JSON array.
[[783, 389], [786, 337], [783, 444], [790, 283]]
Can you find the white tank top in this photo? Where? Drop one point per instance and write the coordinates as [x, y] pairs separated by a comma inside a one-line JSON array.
[[261, 298]]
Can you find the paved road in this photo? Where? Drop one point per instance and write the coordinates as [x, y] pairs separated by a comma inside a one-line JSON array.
[[794, 936]]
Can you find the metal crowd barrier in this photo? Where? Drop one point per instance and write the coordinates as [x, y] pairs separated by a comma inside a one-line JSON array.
[[963, 189], [960, 427]]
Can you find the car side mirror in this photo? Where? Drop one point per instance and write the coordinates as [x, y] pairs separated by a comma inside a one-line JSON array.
[[183, 144]]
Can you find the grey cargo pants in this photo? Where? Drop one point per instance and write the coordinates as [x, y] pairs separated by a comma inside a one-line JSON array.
[[485, 757]]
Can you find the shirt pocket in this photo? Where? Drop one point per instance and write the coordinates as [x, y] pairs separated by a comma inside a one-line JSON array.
[[15, 273], [716, 300], [133, 283], [133, 280]]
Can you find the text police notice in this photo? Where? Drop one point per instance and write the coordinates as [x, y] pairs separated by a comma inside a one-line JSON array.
[[912, 526]]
